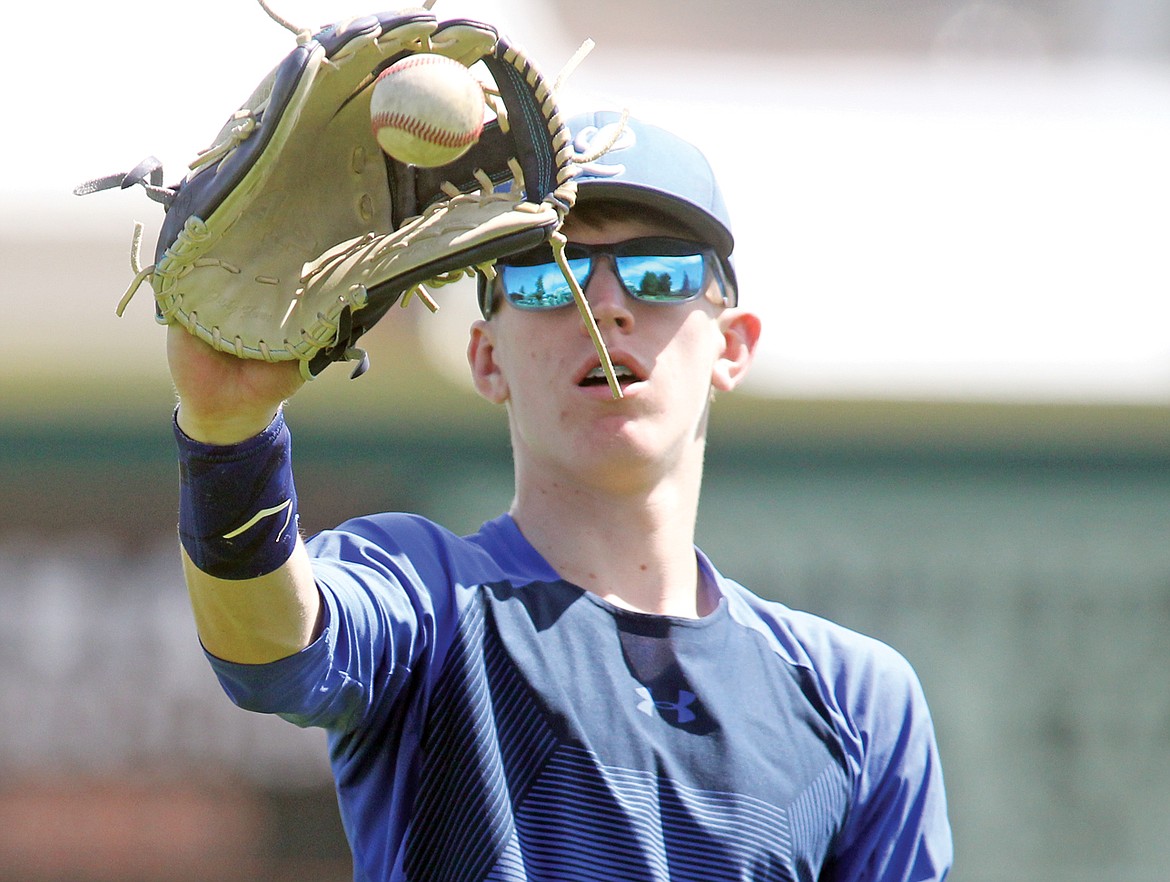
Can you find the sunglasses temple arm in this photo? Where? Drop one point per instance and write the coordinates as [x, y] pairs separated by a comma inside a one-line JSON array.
[[558, 248]]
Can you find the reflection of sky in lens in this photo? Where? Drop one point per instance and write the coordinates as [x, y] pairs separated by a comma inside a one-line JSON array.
[[542, 284], [685, 272]]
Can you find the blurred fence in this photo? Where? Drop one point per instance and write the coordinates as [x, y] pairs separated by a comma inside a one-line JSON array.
[[1032, 595]]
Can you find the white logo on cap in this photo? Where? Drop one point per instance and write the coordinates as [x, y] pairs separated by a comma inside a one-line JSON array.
[[591, 139]]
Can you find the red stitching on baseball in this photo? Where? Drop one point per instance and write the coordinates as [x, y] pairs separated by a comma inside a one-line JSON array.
[[416, 60], [424, 131]]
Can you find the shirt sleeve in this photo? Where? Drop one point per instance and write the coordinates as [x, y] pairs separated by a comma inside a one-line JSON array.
[[897, 828], [386, 594]]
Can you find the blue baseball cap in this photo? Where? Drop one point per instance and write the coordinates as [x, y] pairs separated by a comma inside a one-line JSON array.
[[651, 167]]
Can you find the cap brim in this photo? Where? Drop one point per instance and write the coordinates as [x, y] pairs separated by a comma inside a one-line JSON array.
[[698, 219]]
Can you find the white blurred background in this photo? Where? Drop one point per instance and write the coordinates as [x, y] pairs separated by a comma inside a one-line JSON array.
[[932, 198]]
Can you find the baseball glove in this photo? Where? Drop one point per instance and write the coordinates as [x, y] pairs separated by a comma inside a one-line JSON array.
[[294, 233]]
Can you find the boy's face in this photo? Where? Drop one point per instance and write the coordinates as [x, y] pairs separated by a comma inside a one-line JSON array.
[[670, 357]]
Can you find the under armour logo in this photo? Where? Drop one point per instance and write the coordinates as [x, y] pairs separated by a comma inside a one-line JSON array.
[[591, 139], [681, 708]]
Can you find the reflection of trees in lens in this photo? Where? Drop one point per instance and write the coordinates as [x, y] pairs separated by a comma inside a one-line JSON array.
[[532, 288], [655, 284], [668, 285], [661, 285]]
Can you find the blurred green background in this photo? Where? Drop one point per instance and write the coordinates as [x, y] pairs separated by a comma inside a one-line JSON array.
[[1002, 522]]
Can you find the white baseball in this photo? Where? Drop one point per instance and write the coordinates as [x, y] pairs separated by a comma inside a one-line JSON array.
[[426, 110]]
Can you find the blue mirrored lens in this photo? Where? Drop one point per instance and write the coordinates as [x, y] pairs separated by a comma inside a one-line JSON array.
[[541, 286], [534, 281], [662, 278]]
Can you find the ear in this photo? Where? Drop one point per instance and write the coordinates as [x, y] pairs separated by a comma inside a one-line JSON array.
[[485, 370], [741, 333]]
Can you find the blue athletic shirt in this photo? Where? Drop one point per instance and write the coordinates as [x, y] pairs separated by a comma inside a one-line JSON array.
[[489, 721]]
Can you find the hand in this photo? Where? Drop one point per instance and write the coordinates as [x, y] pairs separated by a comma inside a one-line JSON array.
[[224, 399]]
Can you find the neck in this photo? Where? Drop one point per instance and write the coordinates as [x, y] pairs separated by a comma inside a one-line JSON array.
[[633, 547]]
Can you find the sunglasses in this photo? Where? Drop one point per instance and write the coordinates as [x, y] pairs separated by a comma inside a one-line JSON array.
[[655, 269]]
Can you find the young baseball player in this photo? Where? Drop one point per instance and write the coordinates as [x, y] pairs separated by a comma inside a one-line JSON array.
[[574, 692]]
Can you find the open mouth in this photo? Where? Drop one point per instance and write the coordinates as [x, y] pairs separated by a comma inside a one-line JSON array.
[[596, 377]]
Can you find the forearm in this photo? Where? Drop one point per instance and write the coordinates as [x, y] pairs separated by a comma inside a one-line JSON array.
[[249, 577], [258, 620]]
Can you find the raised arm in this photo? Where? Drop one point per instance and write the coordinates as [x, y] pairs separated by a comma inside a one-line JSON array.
[[259, 602]]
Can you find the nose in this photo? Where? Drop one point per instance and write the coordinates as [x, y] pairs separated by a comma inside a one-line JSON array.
[[607, 296]]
